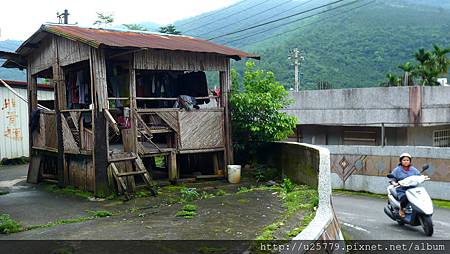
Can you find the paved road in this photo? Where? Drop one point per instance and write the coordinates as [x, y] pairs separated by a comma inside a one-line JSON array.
[[364, 219]]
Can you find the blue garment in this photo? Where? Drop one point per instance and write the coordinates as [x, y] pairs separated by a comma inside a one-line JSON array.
[[399, 173]]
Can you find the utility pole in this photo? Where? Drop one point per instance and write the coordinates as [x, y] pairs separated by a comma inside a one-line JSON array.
[[296, 56], [63, 17]]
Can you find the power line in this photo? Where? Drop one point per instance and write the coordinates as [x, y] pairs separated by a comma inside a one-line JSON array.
[[295, 29], [276, 20], [227, 16], [249, 17], [215, 12]]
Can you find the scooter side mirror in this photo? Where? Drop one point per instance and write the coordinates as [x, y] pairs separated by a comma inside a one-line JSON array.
[[425, 167]]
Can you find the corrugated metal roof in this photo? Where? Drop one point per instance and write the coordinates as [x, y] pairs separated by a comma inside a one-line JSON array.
[[96, 37]]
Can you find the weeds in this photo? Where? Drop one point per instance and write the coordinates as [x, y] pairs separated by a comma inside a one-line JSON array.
[[187, 212], [189, 194], [8, 225], [101, 213], [287, 185]]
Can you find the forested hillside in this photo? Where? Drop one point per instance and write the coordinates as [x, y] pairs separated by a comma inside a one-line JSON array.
[[351, 46], [10, 74]]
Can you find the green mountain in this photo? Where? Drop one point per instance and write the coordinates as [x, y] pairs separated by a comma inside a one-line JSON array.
[[11, 74], [352, 46]]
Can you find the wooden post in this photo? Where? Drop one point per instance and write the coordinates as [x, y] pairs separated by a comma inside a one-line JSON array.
[[133, 105], [33, 168], [173, 169], [225, 86], [98, 80], [59, 86]]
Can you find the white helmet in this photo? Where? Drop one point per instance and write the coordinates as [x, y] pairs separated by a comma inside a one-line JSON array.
[[405, 155]]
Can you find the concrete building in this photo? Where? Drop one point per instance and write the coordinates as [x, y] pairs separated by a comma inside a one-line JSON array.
[[366, 129], [391, 116]]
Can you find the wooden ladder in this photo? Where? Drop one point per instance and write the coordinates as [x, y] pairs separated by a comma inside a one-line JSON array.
[[139, 170]]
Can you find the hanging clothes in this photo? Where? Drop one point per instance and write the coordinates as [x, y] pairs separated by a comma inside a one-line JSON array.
[[194, 84]]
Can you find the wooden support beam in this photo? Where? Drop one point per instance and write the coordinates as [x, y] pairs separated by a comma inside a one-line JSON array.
[[59, 84], [99, 86], [225, 86], [173, 170]]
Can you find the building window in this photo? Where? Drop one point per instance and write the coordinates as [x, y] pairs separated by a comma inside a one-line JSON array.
[[441, 138]]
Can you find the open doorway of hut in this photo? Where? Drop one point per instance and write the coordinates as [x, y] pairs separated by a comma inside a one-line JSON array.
[[190, 167]]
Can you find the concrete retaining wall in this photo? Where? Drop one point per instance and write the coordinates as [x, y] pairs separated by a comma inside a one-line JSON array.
[[371, 106], [308, 164], [364, 168]]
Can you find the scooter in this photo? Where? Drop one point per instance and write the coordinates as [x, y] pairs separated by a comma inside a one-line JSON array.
[[419, 209]]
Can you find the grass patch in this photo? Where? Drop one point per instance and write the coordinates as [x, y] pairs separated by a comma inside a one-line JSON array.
[[160, 161], [187, 212], [243, 201], [359, 193], [300, 197], [305, 222], [101, 213], [8, 225], [69, 190], [436, 202], [221, 192], [441, 203], [189, 194], [143, 194], [61, 222]]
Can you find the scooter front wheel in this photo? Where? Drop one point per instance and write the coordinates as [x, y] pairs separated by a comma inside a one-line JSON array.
[[427, 224]]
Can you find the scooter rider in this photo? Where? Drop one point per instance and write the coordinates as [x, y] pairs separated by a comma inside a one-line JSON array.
[[402, 171]]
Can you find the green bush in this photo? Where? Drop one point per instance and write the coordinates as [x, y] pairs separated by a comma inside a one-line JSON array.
[[189, 194], [8, 225], [288, 185]]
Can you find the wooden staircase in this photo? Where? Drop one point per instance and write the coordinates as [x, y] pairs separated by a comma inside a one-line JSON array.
[[125, 178]]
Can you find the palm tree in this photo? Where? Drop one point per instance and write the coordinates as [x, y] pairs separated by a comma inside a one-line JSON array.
[[442, 62], [393, 80], [409, 70], [169, 29]]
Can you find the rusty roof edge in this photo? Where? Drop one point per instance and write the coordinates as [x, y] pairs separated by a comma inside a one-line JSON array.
[[69, 36]]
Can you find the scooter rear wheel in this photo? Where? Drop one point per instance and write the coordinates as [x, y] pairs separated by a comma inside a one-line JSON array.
[[427, 224]]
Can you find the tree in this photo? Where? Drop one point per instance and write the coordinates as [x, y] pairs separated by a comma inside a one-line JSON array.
[[255, 109], [393, 80], [408, 76], [442, 62], [169, 29], [104, 19], [137, 27]]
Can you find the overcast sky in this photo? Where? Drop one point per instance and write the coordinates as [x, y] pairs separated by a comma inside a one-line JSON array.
[[19, 19]]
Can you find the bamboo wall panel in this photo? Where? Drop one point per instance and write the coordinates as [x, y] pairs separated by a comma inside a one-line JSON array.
[[42, 58], [71, 51], [88, 140], [45, 136], [179, 61], [69, 141], [170, 118], [201, 129], [98, 69]]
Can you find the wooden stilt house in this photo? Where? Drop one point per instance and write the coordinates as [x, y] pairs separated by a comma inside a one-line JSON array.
[[129, 107]]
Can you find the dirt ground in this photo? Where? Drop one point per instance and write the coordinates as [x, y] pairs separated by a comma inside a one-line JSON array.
[[233, 216]]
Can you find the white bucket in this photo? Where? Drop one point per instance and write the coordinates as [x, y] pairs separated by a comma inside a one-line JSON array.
[[234, 173]]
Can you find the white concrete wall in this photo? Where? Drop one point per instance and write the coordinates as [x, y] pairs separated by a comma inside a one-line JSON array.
[[378, 184], [361, 106], [14, 138]]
